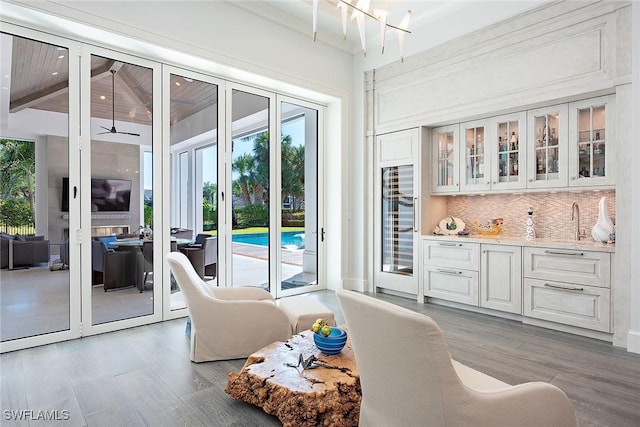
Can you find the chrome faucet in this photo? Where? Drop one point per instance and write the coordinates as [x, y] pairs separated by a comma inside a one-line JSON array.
[[575, 216]]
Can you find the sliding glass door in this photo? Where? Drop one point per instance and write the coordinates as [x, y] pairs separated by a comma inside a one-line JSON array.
[[298, 234], [191, 135], [38, 303], [119, 198], [273, 182], [111, 161], [251, 189]]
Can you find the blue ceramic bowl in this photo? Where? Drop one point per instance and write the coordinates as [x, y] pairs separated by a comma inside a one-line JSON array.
[[332, 344]]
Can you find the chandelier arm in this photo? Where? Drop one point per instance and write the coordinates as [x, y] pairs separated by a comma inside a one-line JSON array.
[[373, 16]]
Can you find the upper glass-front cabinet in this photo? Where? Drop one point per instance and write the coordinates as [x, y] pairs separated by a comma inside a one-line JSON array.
[[445, 153], [590, 147], [474, 164], [509, 144], [547, 152]]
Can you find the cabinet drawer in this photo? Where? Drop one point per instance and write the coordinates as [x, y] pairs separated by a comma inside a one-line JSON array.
[[577, 305], [571, 266], [464, 256], [451, 284]]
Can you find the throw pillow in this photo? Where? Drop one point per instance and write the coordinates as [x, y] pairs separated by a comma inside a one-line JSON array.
[[20, 238]]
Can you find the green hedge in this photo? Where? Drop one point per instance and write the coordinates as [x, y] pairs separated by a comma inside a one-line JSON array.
[[253, 216]]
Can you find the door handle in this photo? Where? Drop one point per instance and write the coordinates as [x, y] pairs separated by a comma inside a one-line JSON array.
[[563, 253], [415, 215], [566, 288]]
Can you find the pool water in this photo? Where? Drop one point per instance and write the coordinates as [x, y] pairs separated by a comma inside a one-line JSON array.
[[289, 238]]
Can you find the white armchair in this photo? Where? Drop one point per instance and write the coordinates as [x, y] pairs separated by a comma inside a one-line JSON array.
[[409, 379], [227, 323]]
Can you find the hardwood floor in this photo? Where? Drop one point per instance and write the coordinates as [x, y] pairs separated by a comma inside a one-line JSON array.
[[143, 376]]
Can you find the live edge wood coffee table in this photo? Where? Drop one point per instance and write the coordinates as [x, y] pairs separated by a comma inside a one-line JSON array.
[[327, 395]]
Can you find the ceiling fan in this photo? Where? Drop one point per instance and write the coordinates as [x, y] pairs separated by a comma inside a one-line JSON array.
[[113, 110]]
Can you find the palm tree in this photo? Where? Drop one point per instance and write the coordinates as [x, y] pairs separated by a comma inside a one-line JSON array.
[[297, 165], [17, 171], [261, 176], [244, 165]]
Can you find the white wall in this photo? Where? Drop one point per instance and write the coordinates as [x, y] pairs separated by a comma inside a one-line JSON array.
[[633, 339]]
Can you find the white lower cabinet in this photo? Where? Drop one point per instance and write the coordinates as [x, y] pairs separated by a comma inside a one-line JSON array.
[[451, 284], [450, 271], [570, 304], [564, 286], [572, 287], [501, 277]]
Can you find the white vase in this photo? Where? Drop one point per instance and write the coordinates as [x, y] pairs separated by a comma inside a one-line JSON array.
[[603, 229]]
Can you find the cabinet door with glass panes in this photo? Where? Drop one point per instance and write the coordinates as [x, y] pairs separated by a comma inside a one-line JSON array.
[[591, 133], [475, 159], [509, 141], [547, 161], [445, 159]]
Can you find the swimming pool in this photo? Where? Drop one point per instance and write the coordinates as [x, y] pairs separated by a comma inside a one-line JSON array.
[[289, 238]]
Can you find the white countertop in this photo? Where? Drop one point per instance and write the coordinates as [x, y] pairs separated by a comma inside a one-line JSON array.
[[582, 245]]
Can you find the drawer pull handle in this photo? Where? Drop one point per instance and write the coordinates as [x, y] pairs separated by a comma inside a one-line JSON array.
[[449, 244], [454, 273], [564, 253], [566, 288]]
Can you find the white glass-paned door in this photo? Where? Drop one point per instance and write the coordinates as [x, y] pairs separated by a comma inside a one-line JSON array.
[[38, 301], [298, 234], [251, 188], [120, 197], [192, 130]]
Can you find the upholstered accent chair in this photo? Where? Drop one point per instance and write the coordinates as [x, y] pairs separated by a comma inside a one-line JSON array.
[[227, 323], [408, 377]]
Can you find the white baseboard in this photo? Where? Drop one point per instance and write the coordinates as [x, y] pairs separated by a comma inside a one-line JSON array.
[[633, 342], [354, 285]]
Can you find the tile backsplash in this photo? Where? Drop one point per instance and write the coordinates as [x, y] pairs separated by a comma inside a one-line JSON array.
[[551, 211]]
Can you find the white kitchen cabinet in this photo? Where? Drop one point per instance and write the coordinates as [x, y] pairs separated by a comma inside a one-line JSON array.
[[572, 287], [547, 160], [570, 304], [445, 152], [501, 277], [507, 138], [591, 142], [450, 271], [475, 156], [591, 268]]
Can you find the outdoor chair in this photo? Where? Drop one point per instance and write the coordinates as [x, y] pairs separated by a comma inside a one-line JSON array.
[[203, 254], [22, 251]]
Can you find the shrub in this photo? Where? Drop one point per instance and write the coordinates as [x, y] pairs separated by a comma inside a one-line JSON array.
[[15, 213], [253, 216]]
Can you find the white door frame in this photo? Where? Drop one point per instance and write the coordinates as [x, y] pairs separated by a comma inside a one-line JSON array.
[[85, 190], [74, 330]]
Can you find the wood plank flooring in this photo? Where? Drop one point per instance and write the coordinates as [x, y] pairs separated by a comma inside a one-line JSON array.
[[143, 376]]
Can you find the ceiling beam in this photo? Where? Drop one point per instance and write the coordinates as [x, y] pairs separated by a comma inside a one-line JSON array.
[[60, 88]]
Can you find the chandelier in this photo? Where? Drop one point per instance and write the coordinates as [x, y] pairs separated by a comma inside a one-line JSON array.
[[360, 11]]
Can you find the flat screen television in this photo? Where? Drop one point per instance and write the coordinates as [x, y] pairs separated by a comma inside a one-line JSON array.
[[107, 195]]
